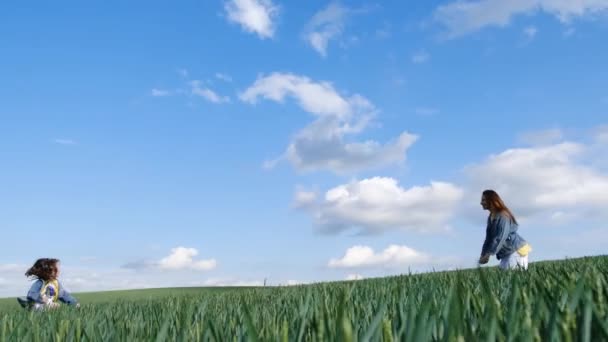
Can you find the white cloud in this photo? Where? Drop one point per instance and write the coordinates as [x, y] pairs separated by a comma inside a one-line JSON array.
[[207, 93], [311, 150], [180, 258], [392, 256], [420, 57], [553, 181], [64, 141], [354, 276], [12, 268], [231, 282], [378, 204], [304, 199], [530, 32], [561, 217], [592, 238], [541, 137], [11, 276], [326, 25], [183, 258], [318, 98], [601, 134], [195, 88], [321, 145], [255, 16], [160, 92], [463, 17], [270, 164], [292, 282]]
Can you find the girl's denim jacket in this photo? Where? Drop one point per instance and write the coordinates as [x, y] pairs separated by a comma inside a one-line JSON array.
[[501, 237], [35, 296]]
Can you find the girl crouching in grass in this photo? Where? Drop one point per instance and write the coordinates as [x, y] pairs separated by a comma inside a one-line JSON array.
[[46, 291]]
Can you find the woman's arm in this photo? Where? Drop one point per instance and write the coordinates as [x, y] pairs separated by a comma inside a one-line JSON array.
[[498, 234], [485, 256], [487, 241], [34, 293], [66, 297]]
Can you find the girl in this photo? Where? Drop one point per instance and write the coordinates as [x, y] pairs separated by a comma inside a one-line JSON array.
[[46, 290], [501, 235]]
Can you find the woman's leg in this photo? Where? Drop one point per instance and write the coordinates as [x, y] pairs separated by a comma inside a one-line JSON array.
[[522, 261], [505, 263], [514, 261]]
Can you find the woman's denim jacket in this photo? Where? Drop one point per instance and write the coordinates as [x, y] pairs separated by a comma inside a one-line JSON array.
[[501, 237]]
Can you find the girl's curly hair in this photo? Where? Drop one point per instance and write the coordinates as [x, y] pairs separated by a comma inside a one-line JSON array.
[[44, 269]]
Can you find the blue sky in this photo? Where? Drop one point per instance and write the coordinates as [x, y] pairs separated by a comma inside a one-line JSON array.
[[224, 142]]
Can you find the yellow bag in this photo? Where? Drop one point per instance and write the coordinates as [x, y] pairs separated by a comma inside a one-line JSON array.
[[525, 249]]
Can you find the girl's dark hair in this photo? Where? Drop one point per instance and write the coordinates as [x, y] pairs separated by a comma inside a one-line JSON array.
[[497, 204], [44, 269]]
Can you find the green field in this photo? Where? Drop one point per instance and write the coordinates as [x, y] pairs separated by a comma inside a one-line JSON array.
[[553, 301]]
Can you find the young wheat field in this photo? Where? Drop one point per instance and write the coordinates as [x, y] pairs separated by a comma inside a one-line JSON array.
[[552, 301]]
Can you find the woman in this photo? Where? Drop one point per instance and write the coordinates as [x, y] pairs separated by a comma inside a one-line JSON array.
[[501, 235]]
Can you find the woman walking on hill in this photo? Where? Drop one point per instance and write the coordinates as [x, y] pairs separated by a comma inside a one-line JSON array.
[[502, 238]]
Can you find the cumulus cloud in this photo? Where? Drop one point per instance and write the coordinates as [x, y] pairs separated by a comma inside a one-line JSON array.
[[12, 268], [180, 258], [601, 134], [392, 257], [254, 16], [195, 88], [379, 204], [312, 150], [292, 282], [322, 144], [12, 278], [183, 258], [304, 199], [592, 238], [326, 25], [232, 282], [319, 98], [551, 181], [463, 17], [206, 93], [354, 276]]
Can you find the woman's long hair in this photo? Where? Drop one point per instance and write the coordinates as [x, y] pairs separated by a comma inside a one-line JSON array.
[[497, 204], [44, 269]]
